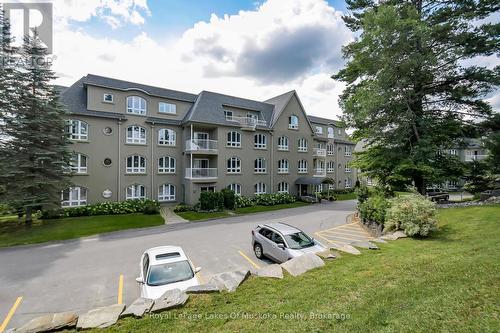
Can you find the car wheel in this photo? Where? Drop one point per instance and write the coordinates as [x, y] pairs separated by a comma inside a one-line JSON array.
[[257, 249]]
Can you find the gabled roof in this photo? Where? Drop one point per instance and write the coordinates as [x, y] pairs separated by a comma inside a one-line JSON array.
[[75, 98], [281, 101], [106, 82], [323, 121]]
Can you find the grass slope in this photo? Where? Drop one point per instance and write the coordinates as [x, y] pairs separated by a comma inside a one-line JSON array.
[[13, 232], [447, 283]]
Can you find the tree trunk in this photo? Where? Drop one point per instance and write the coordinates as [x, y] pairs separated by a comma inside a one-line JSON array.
[[419, 184], [29, 219]]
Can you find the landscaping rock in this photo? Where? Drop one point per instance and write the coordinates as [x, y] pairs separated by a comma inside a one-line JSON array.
[[378, 240], [395, 235], [270, 271], [327, 255], [100, 317], [302, 264], [365, 245], [346, 248], [229, 280], [202, 289], [170, 299], [138, 308], [50, 322]]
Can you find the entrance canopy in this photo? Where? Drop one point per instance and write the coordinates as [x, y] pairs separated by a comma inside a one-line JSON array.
[[314, 180]]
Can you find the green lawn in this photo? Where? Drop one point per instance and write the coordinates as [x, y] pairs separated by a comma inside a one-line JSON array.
[[345, 196], [14, 233], [198, 216], [447, 283]]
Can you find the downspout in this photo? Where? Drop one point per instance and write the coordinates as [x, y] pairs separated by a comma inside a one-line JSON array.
[[152, 159], [191, 155], [272, 163], [118, 192]]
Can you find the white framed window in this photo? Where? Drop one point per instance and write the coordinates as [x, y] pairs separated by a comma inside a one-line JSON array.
[[330, 149], [234, 165], [302, 145], [79, 163], [136, 191], [260, 188], [136, 135], [369, 181], [228, 115], [166, 137], [319, 130], [318, 188], [233, 139], [166, 192], [452, 184], [283, 166], [136, 164], [236, 188], [107, 97], [348, 183], [74, 197], [167, 108], [166, 164], [77, 130], [347, 168], [260, 141], [293, 122], [283, 143], [302, 166], [136, 105], [330, 166], [453, 152], [260, 165], [347, 151], [331, 133], [283, 187]]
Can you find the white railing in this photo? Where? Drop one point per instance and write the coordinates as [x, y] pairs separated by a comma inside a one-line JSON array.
[[319, 173], [247, 121], [470, 158], [200, 173], [320, 152], [201, 145]]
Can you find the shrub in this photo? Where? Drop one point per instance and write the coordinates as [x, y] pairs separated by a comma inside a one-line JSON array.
[[151, 208], [229, 198], [412, 213], [211, 201], [183, 208], [242, 202], [273, 199], [51, 214], [362, 192], [374, 209]]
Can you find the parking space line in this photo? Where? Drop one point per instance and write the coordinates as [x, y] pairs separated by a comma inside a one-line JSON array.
[[10, 314], [350, 234], [339, 226], [346, 239], [120, 289], [249, 260], [328, 240]]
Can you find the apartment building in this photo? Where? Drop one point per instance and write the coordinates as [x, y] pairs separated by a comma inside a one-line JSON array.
[[135, 141]]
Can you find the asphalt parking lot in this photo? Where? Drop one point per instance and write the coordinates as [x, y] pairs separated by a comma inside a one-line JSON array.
[[78, 275]]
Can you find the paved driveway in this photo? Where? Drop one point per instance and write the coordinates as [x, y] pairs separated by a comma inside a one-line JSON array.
[[78, 275]]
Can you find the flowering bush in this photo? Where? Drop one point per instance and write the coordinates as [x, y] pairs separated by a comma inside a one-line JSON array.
[[273, 199], [242, 202], [412, 213], [183, 208]]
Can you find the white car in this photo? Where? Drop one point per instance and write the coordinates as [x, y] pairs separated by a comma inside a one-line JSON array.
[[165, 268]]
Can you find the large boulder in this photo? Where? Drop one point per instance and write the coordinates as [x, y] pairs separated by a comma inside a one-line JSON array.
[[139, 307], [270, 271], [393, 236], [170, 299], [378, 240], [327, 255], [229, 281], [345, 248], [301, 264], [100, 317], [365, 245], [49, 322], [202, 289]]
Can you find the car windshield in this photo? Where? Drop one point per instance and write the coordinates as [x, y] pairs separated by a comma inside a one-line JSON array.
[[170, 273], [299, 241]]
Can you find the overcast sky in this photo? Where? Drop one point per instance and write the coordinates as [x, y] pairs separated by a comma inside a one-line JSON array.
[[252, 49]]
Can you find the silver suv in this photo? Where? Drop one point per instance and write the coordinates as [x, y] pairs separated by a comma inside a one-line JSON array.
[[281, 242]]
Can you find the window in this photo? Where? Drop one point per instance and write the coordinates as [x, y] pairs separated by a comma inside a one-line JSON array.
[[452, 184], [302, 166], [136, 191], [331, 187], [107, 97], [347, 151], [207, 189], [233, 139], [136, 105], [331, 133], [228, 115], [166, 192], [166, 164], [293, 122], [74, 196], [318, 188], [136, 135], [234, 165], [167, 108], [347, 168], [330, 149], [283, 187], [282, 143], [260, 188], [369, 181], [260, 165], [302, 145], [136, 164], [79, 163], [107, 162], [283, 166], [77, 130], [107, 130], [166, 137], [319, 130], [339, 131], [330, 166], [348, 183], [260, 141], [453, 152], [236, 188]]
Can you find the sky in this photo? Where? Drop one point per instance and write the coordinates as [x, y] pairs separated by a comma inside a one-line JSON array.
[[246, 48]]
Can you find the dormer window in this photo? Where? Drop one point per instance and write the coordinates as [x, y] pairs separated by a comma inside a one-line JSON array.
[[107, 98], [331, 133], [228, 115], [167, 108], [293, 122], [136, 105]]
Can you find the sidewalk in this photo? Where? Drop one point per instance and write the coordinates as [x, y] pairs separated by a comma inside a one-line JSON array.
[[170, 217]]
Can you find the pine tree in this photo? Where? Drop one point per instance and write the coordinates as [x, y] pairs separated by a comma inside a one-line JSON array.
[[409, 90]]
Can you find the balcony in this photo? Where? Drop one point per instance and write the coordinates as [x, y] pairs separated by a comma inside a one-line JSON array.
[[319, 152], [247, 123], [202, 146], [319, 173], [201, 173], [470, 158]]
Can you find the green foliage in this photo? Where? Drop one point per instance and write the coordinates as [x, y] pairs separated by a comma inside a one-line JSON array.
[[211, 201], [362, 193], [413, 213], [183, 208], [478, 177], [229, 198], [242, 201], [374, 209], [272, 199]]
